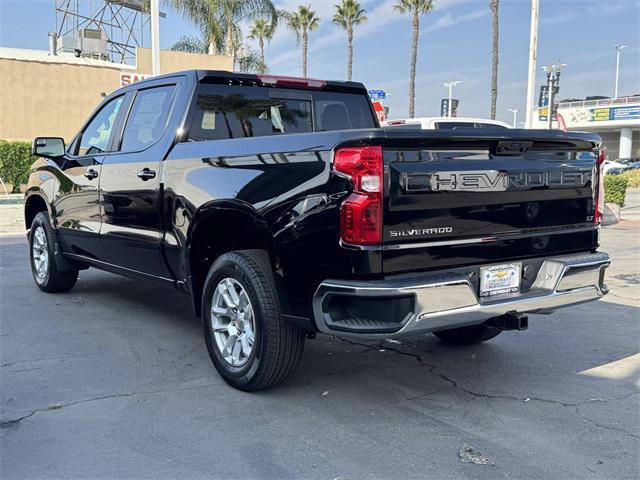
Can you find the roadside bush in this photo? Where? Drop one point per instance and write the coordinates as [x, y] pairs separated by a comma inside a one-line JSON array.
[[615, 189], [633, 178], [15, 162]]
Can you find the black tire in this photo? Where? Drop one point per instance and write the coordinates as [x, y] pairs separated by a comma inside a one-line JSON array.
[[49, 278], [468, 335], [277, 346]]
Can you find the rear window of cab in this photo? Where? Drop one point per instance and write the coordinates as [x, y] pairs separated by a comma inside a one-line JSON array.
[[223, 112]]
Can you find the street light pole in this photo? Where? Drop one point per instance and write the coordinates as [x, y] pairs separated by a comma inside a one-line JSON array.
[[533, 54], [155, 37], [618, 50], [515, 116], [553, 80], [450, 86]]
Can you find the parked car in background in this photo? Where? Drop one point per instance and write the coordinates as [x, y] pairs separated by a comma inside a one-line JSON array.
[[615, 167], [444, 123]]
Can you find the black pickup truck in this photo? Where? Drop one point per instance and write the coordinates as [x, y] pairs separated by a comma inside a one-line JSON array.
[[283, 209]]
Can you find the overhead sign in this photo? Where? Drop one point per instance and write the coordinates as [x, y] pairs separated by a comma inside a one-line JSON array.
[[127, 78], [444, 107], [380, 111], [377, 94]]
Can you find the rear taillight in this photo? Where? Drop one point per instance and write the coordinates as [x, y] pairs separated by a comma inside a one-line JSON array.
[[361, 213], [599, 189]]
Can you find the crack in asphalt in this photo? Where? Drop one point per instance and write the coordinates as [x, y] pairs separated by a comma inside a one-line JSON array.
[[432, 369], [605, 427], [9, 423], [45, 359]]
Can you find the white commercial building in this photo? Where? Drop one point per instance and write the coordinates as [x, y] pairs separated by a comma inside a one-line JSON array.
[[616, 120]]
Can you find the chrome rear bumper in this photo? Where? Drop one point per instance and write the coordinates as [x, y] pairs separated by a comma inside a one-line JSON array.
[[443, 300]]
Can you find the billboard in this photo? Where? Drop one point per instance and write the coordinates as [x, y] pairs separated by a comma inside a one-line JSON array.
[[603, 114]]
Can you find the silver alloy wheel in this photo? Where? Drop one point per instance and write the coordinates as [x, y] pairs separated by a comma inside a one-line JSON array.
[[40, 253], [232, 322]]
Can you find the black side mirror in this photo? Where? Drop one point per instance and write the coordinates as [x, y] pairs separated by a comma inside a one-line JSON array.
[[48, 147]]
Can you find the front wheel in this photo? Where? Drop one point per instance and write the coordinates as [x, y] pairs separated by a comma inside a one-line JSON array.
[[44, 266], [468, 335], [250, 345]]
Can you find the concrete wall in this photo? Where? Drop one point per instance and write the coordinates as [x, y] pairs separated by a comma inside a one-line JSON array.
[[175, 61], [52, 96]]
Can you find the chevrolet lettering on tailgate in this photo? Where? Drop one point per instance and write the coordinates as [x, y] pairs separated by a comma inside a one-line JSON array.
[[495, 180]]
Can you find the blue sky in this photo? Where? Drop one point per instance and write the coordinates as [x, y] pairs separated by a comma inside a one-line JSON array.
[[455, 44]]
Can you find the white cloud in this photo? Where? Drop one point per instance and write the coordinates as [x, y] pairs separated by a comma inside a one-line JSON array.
[[449, 20], [379, 18], [563, 17], [599, 8]]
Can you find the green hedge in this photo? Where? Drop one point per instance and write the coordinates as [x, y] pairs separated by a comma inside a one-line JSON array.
[[615, 189], [15, 163], [633, 178]]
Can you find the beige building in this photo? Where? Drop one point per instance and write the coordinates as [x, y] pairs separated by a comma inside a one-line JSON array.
[[51, 95]]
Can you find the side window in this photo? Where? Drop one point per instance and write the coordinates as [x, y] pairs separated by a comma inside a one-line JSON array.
[[147, 119], [95, 137]]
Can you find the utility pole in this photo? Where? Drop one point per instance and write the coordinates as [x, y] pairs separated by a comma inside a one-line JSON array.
[[155, 38], [533, 54], [553, 82], [450, 86], [515, 116], [618, 50]]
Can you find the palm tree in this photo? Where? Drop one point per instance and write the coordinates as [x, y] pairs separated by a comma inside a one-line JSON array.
[[302, 22], [248, 60], [190, 45], [349, 13], [494, 5], [220, 19], [261, 30], [233, 12], [416, 8], [205, 14]]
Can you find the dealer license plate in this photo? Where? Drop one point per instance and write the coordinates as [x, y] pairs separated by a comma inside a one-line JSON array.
[[500, 279]]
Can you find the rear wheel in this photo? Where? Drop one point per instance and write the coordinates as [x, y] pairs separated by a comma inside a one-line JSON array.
[[249, 343], [44, 266], [468, 335]]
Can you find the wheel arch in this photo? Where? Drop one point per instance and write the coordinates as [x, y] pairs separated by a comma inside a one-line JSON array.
[[219, 227], [35, 203]]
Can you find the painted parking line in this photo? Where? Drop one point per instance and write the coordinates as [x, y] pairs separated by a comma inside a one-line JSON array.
[[620, 369]]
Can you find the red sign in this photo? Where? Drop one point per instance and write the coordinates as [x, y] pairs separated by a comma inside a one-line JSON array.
[[379, 109], [129, 78]]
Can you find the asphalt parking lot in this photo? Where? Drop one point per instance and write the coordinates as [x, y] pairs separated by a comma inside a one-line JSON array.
[[112, 380]]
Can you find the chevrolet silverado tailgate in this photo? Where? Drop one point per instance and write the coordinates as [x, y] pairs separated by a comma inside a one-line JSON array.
[[465, 197]]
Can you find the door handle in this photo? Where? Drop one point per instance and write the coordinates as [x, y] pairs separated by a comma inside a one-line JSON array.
[[146, 174], [91, 174]]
